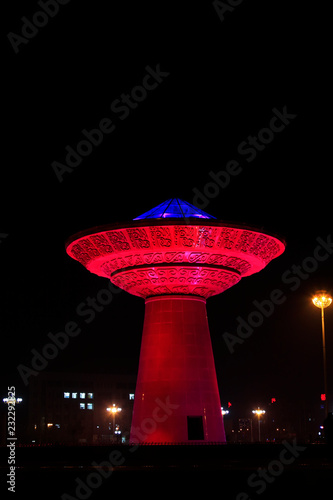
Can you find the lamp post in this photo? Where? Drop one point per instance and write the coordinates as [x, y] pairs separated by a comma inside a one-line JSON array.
[[12, 401], [114, 409], [323, 300], [258, 412]]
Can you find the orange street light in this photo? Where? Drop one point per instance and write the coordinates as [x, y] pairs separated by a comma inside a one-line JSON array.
[[259, 412], [114, 409], [322, 300]]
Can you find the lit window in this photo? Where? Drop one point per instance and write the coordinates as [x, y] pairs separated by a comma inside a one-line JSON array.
[[82, 395], [90, 406], [82, 406], [66, 395], [131, 396], [90, 395], [74, 395]]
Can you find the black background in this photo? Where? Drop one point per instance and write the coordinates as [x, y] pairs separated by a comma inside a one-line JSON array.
[[225, 77]]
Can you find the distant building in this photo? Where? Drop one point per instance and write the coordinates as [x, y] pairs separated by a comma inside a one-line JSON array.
[[71, 408]]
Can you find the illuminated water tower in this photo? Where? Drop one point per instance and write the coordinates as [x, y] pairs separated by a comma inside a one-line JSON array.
[[175, 257]]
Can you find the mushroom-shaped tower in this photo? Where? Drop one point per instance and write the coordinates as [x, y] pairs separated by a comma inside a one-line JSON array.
[[175, 257]]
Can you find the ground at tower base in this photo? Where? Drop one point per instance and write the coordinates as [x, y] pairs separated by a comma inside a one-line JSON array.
[[232, 471]]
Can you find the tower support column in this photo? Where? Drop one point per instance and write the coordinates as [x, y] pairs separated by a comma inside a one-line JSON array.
[[177, 398]]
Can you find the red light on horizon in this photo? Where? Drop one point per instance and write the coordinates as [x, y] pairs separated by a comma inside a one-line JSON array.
[[229, 404], [323, 397], [273, 400]]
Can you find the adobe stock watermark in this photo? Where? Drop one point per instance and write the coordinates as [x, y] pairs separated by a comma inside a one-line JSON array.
[[57, 342], [149, 424], [223, 7], [104, 469], [248, 148], [30, 27], [121, 107], [260, 479], [292, 277]]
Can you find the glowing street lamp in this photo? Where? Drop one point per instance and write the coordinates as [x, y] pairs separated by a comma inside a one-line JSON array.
[[258, 412], [114, 409], [12, 401], [323, 300]]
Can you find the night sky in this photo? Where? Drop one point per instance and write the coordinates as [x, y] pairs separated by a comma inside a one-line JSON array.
[[220, 82]]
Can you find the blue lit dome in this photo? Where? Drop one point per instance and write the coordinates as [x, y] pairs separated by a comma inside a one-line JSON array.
[[175, 208]]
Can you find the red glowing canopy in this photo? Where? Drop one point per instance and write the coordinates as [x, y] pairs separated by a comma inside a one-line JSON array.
[[167, 255]]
